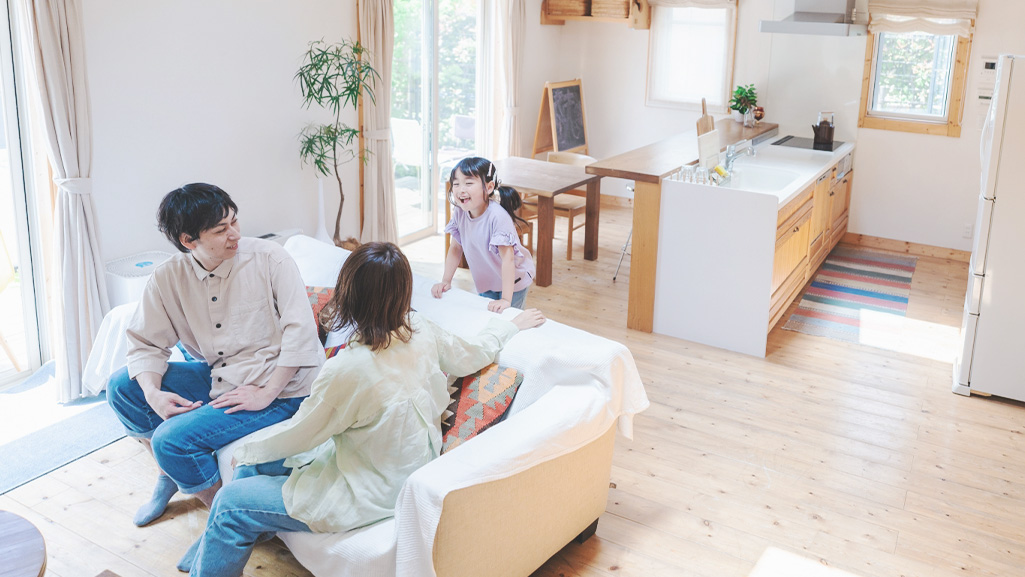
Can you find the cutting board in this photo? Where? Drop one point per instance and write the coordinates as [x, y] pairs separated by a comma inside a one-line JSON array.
[[706, 123], [708, 149]]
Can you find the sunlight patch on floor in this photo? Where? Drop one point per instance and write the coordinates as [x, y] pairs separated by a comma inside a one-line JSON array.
[[779, 563], [924, 339], [29, 411]]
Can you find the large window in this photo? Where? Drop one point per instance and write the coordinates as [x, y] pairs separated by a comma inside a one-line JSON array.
[[434, 104], [690, 56], [914, 82]]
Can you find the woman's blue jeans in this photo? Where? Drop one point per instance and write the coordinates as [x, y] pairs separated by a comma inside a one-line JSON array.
[[245, 512], [185, 445], [518, 298]]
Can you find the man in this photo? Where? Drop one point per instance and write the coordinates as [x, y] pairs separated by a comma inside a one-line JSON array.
[[240, 307]]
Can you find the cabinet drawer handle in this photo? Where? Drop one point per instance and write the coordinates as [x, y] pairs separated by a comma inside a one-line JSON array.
[[832, 192], [797, 228]]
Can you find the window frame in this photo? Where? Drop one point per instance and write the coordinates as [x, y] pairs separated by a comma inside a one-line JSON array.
[[730, 60], [949, 126]]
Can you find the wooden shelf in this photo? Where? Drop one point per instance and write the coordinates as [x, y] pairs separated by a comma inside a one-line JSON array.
[[636, 13]]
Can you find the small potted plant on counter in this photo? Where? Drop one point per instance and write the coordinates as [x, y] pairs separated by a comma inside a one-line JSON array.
[[743, 102]]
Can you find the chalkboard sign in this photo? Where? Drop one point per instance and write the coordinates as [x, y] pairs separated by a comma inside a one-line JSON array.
[[560, 123], [569, 117]]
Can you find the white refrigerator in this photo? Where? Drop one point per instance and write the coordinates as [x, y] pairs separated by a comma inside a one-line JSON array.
[[992, 357]]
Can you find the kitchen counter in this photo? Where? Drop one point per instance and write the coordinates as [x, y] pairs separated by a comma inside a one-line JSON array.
[[648, 166], [730, 259], [776, 163], [656, 161]]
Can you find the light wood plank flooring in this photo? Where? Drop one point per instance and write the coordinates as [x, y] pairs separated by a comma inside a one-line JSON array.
[[836, 458]]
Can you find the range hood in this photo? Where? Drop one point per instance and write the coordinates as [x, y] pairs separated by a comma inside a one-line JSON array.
[[819, 17]]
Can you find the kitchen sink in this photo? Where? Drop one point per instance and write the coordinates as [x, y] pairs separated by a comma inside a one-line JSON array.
[[757, 178]]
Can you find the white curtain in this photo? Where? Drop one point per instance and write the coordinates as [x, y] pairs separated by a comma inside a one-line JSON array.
[[55, 40], [511, 40], [377, 34], [499, 67], [933, 16]]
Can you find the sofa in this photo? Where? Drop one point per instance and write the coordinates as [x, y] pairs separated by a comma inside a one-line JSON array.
[[504, 502]]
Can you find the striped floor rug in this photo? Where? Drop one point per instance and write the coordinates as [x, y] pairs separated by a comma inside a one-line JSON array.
[[853, 284]]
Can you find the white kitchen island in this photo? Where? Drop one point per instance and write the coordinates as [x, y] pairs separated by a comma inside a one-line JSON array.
[[731, 258]]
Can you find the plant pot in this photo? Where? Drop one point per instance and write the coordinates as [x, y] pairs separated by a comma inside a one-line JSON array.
[[321, 233], [737, 116]]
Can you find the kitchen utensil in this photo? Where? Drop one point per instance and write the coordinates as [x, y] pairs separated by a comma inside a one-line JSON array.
[[824, 129], [706, 123], [708, 149]]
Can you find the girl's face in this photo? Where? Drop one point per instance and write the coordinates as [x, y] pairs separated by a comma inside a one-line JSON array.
[[470, 193]]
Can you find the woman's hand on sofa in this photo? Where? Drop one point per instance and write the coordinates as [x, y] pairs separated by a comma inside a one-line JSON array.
[[529, 319]]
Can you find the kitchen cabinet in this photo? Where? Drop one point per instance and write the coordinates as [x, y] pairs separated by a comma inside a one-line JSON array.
[[819, 233], [791, 256], [840, 207]]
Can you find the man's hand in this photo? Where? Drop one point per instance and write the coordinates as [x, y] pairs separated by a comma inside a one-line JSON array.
[[440, 288], [244, 398], [167, 404], [499, 305]]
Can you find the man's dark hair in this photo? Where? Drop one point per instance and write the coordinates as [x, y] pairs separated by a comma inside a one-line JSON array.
[[373, 296], [192, 209]]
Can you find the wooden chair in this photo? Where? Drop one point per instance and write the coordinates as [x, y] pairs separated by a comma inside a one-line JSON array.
[[571, 204], [6, 276]]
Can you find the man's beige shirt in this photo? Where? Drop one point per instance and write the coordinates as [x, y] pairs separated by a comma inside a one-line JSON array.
[[244, 318]]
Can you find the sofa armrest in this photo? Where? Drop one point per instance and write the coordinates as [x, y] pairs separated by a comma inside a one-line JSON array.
[[531, 515], [562, 422]]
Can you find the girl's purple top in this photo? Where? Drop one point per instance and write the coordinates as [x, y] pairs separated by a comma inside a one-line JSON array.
[[480, 238]]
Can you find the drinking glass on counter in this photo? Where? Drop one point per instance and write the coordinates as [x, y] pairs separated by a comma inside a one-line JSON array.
[[687, 173], [701, 175]]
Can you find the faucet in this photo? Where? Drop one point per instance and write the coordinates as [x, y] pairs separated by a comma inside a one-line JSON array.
[[744, 146]]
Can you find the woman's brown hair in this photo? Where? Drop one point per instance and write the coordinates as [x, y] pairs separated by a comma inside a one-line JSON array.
[[373, 296]]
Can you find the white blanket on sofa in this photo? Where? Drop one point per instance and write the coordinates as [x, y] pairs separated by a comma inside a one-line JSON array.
[[576, 385]]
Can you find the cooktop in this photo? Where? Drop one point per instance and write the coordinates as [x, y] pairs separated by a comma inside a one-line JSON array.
[[801, 142]]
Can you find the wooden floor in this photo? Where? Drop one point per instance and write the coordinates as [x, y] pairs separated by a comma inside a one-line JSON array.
[[823, 458]]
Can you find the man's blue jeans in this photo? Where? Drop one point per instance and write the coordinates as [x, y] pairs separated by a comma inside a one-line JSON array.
[[245, 512], [184, 445]]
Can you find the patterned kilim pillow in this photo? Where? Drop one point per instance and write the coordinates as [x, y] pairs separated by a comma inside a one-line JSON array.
[[479, 401], [332, 351], [319, 296]]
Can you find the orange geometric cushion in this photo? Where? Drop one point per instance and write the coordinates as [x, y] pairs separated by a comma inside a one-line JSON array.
[[479, 401]]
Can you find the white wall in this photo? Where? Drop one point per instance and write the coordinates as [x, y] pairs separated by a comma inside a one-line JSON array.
[[907, 187], [194, 90], [202, 91]]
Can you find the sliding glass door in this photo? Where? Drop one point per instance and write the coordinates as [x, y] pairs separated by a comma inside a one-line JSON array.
[[20, 239], [434, 95]]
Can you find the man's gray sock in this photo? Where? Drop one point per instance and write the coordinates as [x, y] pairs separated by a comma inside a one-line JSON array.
[[162, 493]]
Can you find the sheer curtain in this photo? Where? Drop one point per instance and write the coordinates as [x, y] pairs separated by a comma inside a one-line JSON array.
[[941, 17], [499, 70], [55, 40], [377, 34]]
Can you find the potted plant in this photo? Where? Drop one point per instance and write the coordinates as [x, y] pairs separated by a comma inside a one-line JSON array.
[[334, 76], [744, 99]]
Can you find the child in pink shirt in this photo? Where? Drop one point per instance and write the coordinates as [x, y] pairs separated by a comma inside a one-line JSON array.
[[484, 232]]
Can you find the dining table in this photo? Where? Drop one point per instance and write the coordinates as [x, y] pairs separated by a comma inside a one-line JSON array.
[[546, 180]]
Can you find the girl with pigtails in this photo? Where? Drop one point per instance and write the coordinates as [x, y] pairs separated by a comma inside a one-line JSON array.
[[484, 232]]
